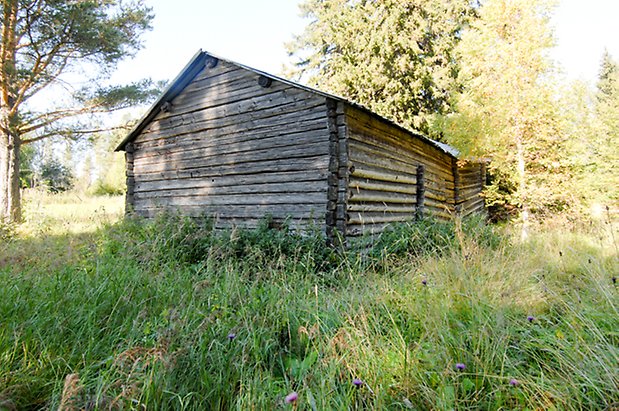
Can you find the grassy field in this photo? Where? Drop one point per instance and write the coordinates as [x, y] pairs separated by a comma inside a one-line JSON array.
[[99, 313]]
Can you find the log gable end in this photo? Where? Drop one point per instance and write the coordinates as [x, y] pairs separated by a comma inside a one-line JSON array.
[[237, 144]]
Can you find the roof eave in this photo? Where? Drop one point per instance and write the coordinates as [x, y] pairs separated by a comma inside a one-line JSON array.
[[195, 65]]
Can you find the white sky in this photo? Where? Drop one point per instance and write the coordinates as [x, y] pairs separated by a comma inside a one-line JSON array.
[[253, 32]]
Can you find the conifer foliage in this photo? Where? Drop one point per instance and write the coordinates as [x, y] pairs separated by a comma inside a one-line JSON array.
[[396, 57], [43, 42]]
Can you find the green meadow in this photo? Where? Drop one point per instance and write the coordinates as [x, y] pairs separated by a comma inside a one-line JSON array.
[[101, 312]]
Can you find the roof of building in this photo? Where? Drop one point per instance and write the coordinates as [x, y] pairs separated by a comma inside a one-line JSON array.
[[199, 61]]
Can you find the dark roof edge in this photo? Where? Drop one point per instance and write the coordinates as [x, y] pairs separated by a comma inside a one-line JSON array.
[[197, 63], [173, 89]]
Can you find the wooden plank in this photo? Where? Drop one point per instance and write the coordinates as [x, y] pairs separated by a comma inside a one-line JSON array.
[[233, 180], [295, 141], [259, 120], [274, 199], [266, 188], [231, 135], [219, 159], [358, 184], [258, 167], [380, 197]]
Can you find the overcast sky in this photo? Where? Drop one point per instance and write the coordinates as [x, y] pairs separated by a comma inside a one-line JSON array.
[[254, 32]]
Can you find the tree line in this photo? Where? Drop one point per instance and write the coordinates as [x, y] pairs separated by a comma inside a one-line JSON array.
[[475, 75]]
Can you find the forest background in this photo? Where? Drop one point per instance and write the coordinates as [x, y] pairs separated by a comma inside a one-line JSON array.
[[483, 80]]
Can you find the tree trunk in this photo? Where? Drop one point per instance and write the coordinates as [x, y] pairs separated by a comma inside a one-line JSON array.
[[10, 141], [522, 188], [10, 210]]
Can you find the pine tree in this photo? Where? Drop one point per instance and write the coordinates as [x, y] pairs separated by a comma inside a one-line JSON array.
[[42, 41]]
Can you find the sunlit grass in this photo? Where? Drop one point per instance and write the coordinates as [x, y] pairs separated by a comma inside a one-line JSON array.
[[139, 316], [57, 228], [70, 212]]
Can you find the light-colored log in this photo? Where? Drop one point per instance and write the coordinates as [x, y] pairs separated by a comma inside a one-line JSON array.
[[233, 180], [357, 185], [366, 196], [207, 191], [295, 141], [304, 197], [219, 159], [278, 165]]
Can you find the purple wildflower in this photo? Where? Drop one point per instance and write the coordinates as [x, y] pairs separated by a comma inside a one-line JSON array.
[[424, 282], [614, 280], [231, 336], [514, 382], [290, 398], [530, 318], [460, 366], [357, 382]]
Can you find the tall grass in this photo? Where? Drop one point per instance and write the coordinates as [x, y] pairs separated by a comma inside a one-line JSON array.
[[170, 314]]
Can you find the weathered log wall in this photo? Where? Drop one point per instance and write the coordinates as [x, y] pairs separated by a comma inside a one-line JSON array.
[[384, 168], [236, 150], [472, 177]]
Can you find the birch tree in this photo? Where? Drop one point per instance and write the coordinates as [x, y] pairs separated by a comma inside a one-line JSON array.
[[506, 110]]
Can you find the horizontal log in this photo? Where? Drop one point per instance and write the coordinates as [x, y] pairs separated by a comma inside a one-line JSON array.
[[377, 218], [365, 161], [472, 204], [219, 159], [476, 185], [225, 223], [470, 193], [318, 198], [280, 165], [372, 145], [221, 68], [251, 189], [239, 211], [357, 230], [367, 196], [437, 204], [231, 135], [272, 103], [359, 120], [236, 180], [288, 114], [357, 184], [225, 94], [372, 172], [297, 141], [381, 208], [439, 197]]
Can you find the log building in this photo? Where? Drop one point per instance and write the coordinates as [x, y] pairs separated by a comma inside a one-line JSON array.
[[237, 144]]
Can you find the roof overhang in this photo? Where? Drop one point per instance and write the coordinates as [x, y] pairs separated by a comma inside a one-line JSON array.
[[195, 65], [198, 62]]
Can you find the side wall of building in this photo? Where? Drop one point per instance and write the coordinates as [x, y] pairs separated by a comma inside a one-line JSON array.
[[233, 149], [471, 181], [386, 164]]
